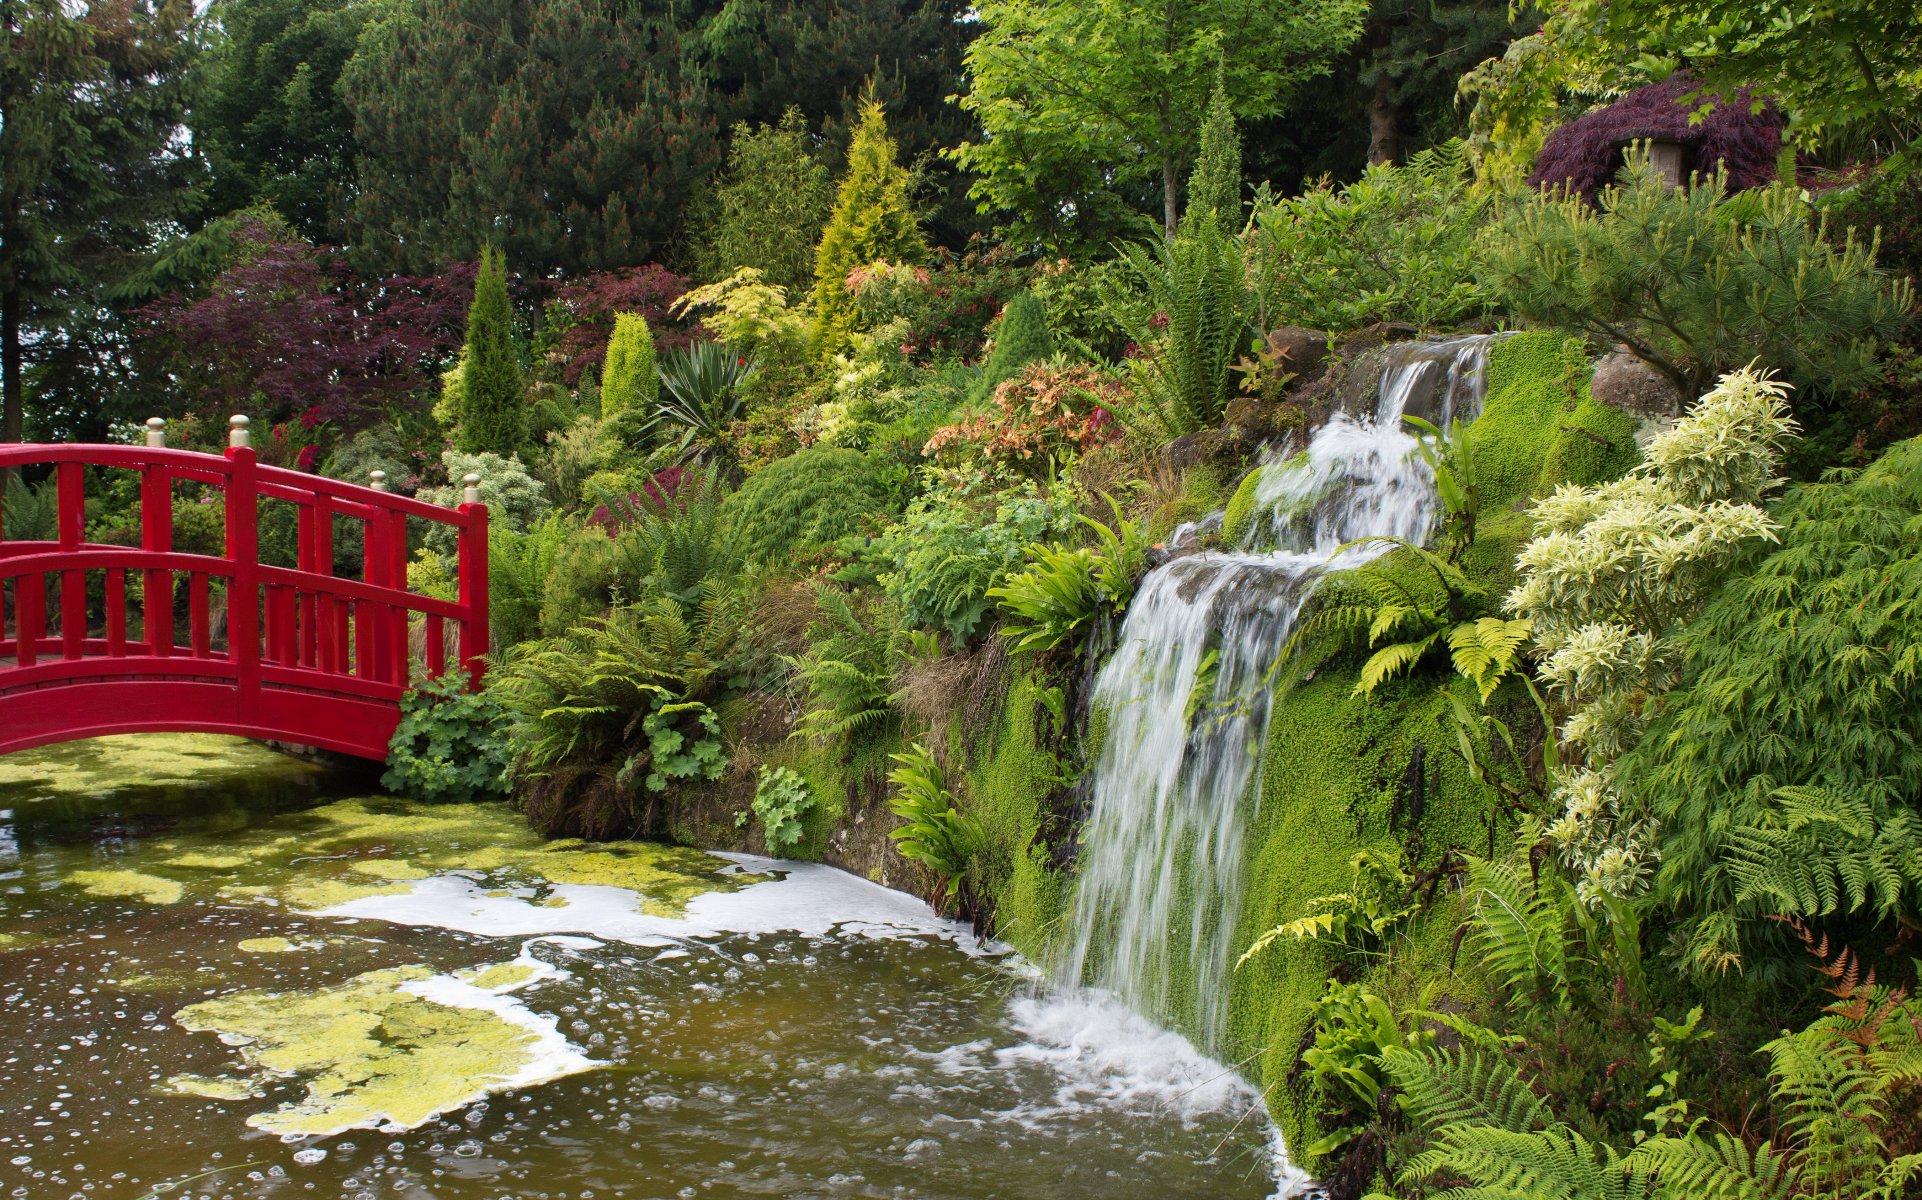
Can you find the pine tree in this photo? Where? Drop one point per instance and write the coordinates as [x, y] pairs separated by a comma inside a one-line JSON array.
[[628, 376], [90, 98], [493, 401], [1214, 189], [1023, 338], [872, 220]]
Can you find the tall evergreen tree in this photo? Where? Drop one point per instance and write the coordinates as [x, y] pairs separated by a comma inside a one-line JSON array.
[[629, 378], [90, 98], [493, 415], [267, 112], [872, 220], [1214, 189]]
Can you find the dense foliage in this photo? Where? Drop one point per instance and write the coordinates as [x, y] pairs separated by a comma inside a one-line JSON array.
[[1736, 136], [447, 746]]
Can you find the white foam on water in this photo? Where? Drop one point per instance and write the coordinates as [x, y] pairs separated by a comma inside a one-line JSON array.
[[808, 899]]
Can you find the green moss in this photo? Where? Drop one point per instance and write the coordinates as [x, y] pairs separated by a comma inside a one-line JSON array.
[[267, 945], [1202, 491], [1539, 427], [1010, 779], [1239, 516]]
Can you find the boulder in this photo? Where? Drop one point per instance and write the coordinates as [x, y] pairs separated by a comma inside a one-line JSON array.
[[1379, 334], [1255, 420], [1624, 381], [1200, 448], [1298, 349]]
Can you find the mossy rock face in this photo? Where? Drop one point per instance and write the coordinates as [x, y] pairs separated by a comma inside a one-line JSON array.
[[1239, 517], [1009, 788], [1539, 427]]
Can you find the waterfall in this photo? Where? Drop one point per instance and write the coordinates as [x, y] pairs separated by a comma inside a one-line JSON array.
[[1182, 705]]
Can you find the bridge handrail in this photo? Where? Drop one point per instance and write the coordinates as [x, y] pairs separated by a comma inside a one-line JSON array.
[[374, 656], [279, 483]]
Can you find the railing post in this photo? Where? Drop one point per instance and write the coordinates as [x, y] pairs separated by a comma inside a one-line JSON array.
[[243, 560], [157, 537], [71, 484], [473, 581]]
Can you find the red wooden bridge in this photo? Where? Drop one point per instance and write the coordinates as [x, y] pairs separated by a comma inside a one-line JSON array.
[[98, 639]]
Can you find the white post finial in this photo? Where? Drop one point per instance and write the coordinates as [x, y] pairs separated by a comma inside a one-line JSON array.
[[471, 485], [377, 479], [237, 436], [157, 432]]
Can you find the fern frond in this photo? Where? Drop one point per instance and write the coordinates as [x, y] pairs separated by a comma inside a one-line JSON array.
[[1470, 1085]]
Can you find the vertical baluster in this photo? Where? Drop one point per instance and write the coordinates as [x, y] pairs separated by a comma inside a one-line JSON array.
[[117, 614], [327, 614], [72, 497], [473, 580], [157, 537], [243, 563], [29, 616], [370, 621], [395, 544], [305, 602], [286, 626], [199, 621]]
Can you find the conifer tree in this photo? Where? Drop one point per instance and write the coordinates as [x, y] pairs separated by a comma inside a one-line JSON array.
[[872, 220], [1214, 189], [493, 400], [90, 98], [628, 376], [1023, 338], [766, 209]]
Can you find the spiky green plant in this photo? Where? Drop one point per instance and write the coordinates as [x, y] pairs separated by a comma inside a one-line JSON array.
[[1063, 589], [934, 832], [702, 393], [1185, 304]]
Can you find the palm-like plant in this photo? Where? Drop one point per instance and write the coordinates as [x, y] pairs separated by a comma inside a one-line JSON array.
[[702, 393]]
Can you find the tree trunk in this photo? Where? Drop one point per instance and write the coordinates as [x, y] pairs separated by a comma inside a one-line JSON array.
[[1169, 216], [1384, 135]]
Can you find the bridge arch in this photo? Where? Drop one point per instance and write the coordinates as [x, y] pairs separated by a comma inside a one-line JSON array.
[[98, 639]]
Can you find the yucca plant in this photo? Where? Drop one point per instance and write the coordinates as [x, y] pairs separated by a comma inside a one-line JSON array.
[[701, 394]]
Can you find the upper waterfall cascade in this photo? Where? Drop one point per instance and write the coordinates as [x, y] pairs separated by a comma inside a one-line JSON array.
[[1183, 702]]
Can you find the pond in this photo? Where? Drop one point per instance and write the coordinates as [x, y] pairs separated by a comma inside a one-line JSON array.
[[226, 972]]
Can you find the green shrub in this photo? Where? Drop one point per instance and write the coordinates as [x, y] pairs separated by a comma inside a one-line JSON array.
[[629, 377], [1185, 303], [581, 580], [1395, 245], [29, 512], [847, 670], [1022, 338], [515, 500], [767, 205], [781, 801], [493, 398], [943, 557], [1697, 283], [519, 566], [448, 745], [1786, 770], [804, 501]]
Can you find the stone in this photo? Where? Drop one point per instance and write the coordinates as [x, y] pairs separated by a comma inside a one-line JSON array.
[[1196, 449], [1256, 420], [1301, 350], [1624, 381]]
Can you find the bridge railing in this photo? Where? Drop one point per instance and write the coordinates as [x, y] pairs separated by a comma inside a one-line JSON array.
[[73, 609]]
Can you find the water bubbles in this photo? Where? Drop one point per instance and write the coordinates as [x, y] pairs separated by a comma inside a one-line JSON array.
[[469, 1149], [309, 1156]]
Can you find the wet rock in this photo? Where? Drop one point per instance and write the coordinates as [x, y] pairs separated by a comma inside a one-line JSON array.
[[1298, 349], [1255, 421], [1626, 382], [1375, 336], [1201, 448]]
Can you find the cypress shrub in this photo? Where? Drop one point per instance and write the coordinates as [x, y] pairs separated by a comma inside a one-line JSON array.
[[629, 379], [1214, 189], [804, 501], [493, 401], [872, 220], [1022, 339]]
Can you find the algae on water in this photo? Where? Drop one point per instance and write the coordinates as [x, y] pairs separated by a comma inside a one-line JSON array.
[[124, 884], [376, 1052]]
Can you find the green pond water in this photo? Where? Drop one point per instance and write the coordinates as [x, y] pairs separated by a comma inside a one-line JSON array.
[[225, 972]]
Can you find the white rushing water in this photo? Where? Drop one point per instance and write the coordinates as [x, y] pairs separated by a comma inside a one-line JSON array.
[[1184, 699]]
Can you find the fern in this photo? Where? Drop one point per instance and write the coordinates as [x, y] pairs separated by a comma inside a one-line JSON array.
[[934, 832], [1470, 1085], [847, 672], [1521, 930], [1820, 850]]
